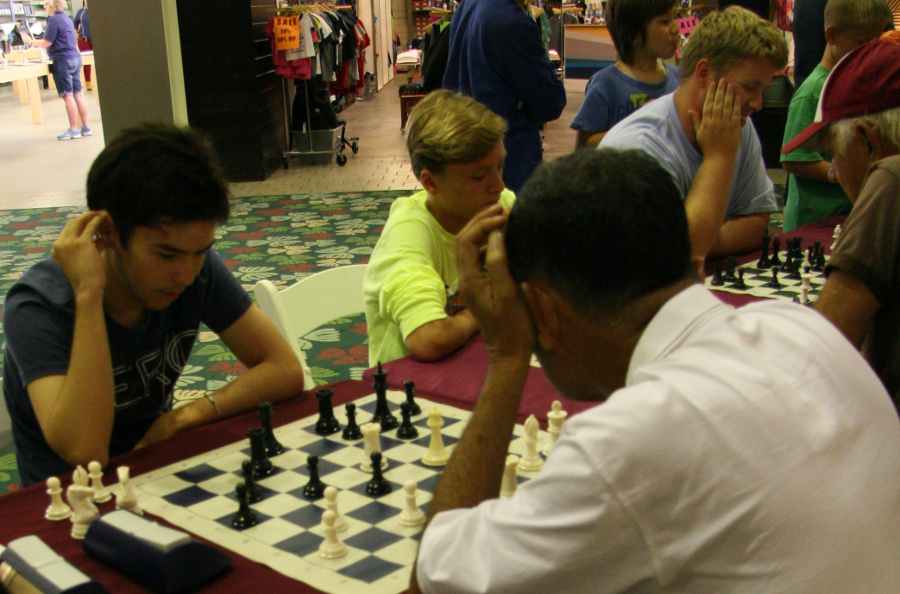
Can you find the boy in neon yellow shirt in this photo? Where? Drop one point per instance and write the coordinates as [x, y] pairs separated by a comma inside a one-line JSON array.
[[456, 148]]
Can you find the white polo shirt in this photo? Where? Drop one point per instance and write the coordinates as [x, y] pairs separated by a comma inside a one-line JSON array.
[[750, 451]]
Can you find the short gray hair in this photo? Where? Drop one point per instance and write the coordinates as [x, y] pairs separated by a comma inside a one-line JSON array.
[[886, 123], [59, 5]]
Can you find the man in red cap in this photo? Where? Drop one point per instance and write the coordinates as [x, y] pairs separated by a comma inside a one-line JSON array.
[[859, 117]]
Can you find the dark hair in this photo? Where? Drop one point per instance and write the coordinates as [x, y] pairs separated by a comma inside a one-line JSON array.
[[155, 174], [626, 19], [603, 227]]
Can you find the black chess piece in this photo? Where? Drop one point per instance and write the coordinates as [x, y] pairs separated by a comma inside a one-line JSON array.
[[407, 430], [773, 282], [378, 485], [262, 466], [273, 447], [254, 493], [776, 247], [327, 423], [739, 283], [717, 280], [382, 414], [410, 387], [798, 248], [729, 270], [315, 487], [351, 431], [244, 517], [820, 260], [788, 264], [795, 271], [764, 261]]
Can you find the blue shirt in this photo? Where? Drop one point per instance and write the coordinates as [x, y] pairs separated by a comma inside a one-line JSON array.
[[39, 323], [496, 57], [60, 32], [84, 21], [657, 130], [611, 96]]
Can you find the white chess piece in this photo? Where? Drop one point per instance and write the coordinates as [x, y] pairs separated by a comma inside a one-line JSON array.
[[437, 454], [531, 461], [83, 511], [127, 498], [332, 547], [555, 419], [80, 476], [371, 443], [340, 522], [411, 515], [836, 236], [101, 493], [806, 281], [804, 295], [510, 481], [58, 510]]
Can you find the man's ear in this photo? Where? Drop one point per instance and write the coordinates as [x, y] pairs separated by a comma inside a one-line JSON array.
[[108, 233], [876, 145], [545, 314], [428, 181]]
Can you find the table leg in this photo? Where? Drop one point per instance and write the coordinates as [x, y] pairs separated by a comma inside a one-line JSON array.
[[34, 94], [23, 92], [16, 87], [51, 82]]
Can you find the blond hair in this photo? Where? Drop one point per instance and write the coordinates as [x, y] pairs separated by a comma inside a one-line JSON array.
[[59, 5], [447, 128], [848, 15], [729, 37]]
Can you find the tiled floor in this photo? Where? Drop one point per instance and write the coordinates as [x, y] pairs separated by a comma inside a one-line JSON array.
[[38, 170]]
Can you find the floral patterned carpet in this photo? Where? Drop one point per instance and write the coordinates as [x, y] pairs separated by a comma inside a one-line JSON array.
[[279, 238]]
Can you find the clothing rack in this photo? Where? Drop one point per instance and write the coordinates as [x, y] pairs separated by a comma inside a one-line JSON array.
[[337, 143]]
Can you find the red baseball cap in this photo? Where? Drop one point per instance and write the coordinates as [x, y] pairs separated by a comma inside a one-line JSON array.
[[867, 80]]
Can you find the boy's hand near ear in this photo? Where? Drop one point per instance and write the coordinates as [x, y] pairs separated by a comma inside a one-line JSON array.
[[79, 249]]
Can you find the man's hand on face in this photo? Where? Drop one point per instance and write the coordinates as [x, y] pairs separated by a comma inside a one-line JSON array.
[[488, 289], [719, 129], [78, 251]]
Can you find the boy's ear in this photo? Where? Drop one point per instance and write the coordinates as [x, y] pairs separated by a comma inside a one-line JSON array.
[[702, 72], [426, 178], [830, 32]]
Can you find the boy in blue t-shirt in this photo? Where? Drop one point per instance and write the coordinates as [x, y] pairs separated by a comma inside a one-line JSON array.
[[644, 32]]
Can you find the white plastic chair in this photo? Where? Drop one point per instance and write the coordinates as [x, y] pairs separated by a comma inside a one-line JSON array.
[[311, 302]]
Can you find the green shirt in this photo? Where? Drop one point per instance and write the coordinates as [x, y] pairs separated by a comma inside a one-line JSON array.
[[809, 200], [411, 276]]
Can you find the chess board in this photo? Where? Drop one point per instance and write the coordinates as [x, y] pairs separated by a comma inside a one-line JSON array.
[[198, 495], [756, 279]]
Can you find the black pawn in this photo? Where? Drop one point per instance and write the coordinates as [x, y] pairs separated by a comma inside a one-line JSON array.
[[407, 430], [273, 447], [327, 423], [262, 466], [774, 280], [795, 271], [315, 487], [382, 414], [378, 485], [739, 283], [764, 261], [717, 280], [410, 387], [820, 260], [351, 431], [244, 517], [729, 270], [776, 246], [254, 493], [798, 248]]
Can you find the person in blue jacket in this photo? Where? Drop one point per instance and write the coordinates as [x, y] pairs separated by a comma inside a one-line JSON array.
[[496, 57]]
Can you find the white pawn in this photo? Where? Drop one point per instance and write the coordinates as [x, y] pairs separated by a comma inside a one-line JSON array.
[[509, 483], [101, 493], [411, 515], [437, 454], [340, 522], [836, 236], [83, 511], [804, 295], [58, 510], [371, 443], [555, 419], [127, 498], [531, 461], [332, 547], [80, 476]]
